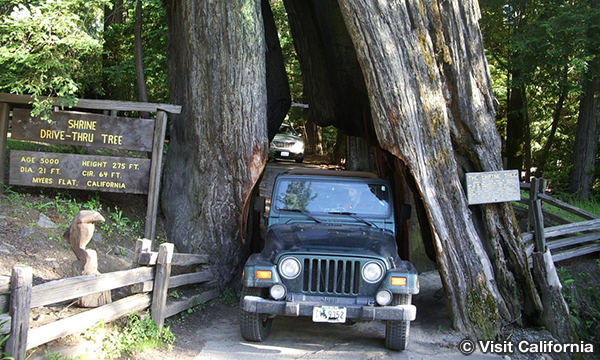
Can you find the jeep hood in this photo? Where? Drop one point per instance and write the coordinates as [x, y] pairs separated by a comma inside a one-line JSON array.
[[328, 239]]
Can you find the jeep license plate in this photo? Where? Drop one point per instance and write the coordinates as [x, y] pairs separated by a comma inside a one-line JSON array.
[[330, 314], [285, 153]]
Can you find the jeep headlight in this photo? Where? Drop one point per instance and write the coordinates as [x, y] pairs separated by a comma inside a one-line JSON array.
[[290, 268], [298, 147], [372, 272]]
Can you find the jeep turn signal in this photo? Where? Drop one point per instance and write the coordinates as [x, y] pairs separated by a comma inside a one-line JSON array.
[[398, 281], [263, 274]]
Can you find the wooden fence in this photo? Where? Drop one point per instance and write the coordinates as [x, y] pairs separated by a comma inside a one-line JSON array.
[[148, 282], [565, 239]]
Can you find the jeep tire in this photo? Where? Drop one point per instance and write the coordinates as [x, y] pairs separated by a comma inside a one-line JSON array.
[[253, 326], [396, 332]]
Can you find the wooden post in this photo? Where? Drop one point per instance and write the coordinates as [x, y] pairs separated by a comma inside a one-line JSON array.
[[141, 246], [555, 314], [160, 130], [161, 284], [538, 226], [533, 195], [20, 307], [538, 186], [4, 113]]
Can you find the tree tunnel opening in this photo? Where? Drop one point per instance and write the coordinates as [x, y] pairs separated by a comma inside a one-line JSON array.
[[428, 113], [335, 91], [409, 78]]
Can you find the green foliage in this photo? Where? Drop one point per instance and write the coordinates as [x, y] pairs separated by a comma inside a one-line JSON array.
[[61, 49], [329, 135], [162, 239], [228, 298], [118, 218], [119, 64], [583, 300], [592, 206], [54, 356], [201, 305], [3, 340], [292, 64], [139, 334], [93, 204], [546, 47], [62, 208], [142, 333], [49, 48]]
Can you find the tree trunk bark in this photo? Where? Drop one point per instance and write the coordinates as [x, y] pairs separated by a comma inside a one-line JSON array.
[[279, 99], [314, 138], [219, 145], [516, 126], [339, 153], [432, 107], [139, 58], [588, 124], [310, 132], [586, 140], [421, 92], [359, 154], [550, 141], [331, 73], [112, 16]]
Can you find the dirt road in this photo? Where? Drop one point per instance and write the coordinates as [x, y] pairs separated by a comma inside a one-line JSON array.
[[214, 334]]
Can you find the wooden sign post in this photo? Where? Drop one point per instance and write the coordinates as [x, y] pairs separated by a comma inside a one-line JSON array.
[[89, 172]]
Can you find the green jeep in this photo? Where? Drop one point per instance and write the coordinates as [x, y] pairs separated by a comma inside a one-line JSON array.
[[330, 253]]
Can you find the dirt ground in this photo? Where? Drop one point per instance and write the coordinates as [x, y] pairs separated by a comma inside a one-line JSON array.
[[26, 237]]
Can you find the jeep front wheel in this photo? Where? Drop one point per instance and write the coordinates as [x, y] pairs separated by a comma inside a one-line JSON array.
[[396, 332], [253, 326]]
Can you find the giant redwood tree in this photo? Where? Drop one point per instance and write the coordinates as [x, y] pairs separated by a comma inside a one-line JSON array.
[[410, 77], [219, 145]]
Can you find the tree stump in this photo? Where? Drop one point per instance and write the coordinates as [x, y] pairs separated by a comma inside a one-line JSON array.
[[79, 234]]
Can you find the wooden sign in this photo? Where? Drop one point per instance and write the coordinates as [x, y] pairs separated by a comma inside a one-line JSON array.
[[493, 187], [88, 172], [83, 172], [84, 129]]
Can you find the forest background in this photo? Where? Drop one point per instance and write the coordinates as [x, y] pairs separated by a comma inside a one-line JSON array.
[[544, 59]]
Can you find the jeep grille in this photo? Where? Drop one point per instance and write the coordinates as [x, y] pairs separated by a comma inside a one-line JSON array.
[[283, 144], [329, 276]]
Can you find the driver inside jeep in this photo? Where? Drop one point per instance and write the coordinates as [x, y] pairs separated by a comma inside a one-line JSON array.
[[358, 200]]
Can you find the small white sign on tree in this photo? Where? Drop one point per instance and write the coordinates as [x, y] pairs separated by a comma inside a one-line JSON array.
[[493, 187]]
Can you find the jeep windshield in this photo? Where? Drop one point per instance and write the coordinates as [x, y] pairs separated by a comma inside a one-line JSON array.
[[333, 197]]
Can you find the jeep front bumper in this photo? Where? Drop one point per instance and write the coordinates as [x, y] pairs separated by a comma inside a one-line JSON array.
[[255, 304]]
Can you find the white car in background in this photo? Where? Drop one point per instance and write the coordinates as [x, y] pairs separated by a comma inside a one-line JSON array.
[[287, 144]]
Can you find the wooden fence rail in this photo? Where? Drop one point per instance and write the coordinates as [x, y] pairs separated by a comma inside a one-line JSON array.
[[151, 273], [565, 240]]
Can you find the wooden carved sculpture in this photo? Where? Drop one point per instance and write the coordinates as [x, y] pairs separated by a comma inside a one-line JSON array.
[[79, 234]]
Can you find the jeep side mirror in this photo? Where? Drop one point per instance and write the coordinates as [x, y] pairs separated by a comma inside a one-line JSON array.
[[405, 212], [260, 204]]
